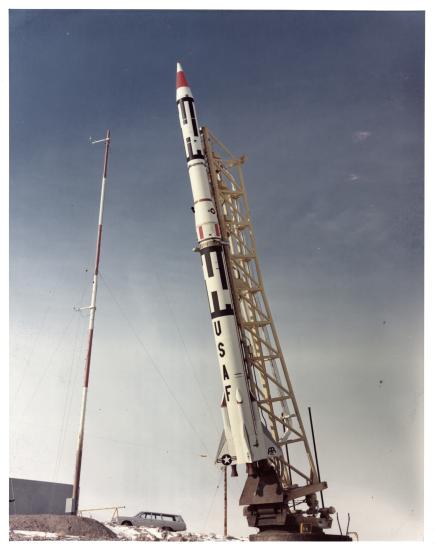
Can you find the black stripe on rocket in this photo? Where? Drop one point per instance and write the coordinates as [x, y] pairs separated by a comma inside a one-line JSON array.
[[217, 310], [188, 100], [183, 111], [190, 154]]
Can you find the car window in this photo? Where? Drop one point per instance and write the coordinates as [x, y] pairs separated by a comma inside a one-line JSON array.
[[159, 517]]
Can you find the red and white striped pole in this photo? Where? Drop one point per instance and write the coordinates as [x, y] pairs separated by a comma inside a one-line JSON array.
[[92, 308]]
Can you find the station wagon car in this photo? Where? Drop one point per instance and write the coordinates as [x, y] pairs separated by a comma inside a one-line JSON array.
[[168, 522]]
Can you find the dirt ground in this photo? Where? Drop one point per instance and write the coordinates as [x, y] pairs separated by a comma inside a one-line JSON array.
[[63, 527], [85, 528]]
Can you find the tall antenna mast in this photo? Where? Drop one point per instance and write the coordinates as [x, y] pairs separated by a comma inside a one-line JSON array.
[[92, 308]]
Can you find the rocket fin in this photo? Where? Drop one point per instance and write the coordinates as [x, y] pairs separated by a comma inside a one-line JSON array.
[[226, 453], [273, 449], [222, 447]]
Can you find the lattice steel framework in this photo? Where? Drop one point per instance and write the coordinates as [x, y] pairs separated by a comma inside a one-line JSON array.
[[269, 378]]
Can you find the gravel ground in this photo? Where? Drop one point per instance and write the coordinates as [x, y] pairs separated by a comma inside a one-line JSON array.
[[152, 533], [52, 527], [64, 526]]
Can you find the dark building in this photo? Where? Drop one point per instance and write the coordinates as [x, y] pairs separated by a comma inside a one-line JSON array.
[[28, 496]]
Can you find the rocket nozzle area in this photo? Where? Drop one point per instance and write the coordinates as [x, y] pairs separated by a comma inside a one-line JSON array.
[[250, 470]]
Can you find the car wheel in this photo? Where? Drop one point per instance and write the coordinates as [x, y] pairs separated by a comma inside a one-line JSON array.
[[128, 523]]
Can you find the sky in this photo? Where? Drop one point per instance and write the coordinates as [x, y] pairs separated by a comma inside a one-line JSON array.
[[328, 109]]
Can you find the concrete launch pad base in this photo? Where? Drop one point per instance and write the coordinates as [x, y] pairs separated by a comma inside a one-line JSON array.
[[297, 537]]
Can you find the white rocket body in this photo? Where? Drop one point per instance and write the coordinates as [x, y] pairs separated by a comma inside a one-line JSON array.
[[246, 439]]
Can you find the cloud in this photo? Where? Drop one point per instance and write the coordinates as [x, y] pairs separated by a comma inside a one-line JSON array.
[[361, 135], [353, 177]]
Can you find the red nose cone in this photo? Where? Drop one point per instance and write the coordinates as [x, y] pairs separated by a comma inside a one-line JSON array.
[[181, 79]]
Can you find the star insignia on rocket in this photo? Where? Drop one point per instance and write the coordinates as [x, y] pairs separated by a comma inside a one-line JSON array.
[[226, 460]]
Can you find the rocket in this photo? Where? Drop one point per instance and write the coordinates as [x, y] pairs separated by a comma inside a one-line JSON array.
[[246, 439]]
